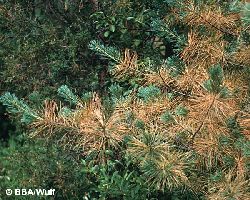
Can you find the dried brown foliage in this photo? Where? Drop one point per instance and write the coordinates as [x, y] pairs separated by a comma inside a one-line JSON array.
[[211, 111], [242, 56], [161, 78], [192, 79], [212, 18], [232, 186], [150, 111], [50, 121], [237, 83], [88, 127], [208, 148], [245, 123], [127, 67], [203, 51]]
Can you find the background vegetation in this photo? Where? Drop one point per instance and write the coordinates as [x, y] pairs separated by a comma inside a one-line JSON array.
[[126, 99]]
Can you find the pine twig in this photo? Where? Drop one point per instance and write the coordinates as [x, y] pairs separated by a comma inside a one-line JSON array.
[[202, 123]]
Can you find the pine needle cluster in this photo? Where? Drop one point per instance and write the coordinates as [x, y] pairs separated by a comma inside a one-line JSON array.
[[180, 126]]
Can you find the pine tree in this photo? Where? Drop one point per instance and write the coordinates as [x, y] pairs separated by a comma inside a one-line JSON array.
[[180, 120]]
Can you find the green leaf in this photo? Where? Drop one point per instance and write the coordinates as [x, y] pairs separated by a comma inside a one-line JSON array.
[[65, 112], [224, 92], [106, 34], [208, 85], [112, 28], [130, 18], [170, 96], [137, 42]]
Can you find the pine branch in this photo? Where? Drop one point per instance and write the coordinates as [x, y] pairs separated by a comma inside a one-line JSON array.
[[202, 123], [162, 30], [16, 106], [172, 89], [107, 52], [69, 96], [215, 27]]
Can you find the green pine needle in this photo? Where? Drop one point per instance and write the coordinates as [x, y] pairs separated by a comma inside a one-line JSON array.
[[68, 95], [16, 106], [107, 52], [149, 93], [167, 117]]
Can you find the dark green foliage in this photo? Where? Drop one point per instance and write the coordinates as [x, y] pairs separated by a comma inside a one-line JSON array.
[[163, 30], [25, 164], [140, 124], [6, 128], [116, 91], [114, 181], [157, 128]]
